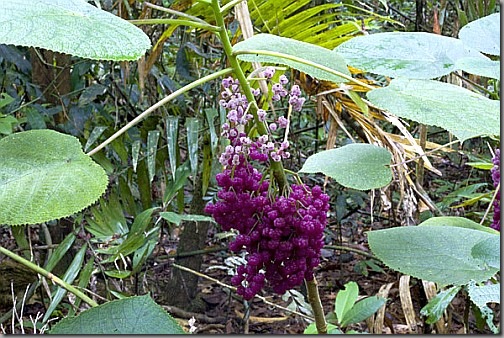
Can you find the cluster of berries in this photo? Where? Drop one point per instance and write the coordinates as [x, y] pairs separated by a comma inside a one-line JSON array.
[[495, 171], [283, 235]]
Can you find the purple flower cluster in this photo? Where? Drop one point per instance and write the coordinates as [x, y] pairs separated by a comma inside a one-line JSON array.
[[283, 235], [495, 171]]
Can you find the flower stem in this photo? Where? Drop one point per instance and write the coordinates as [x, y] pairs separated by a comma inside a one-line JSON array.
[[316, 304], [277, 167], [48, 275]]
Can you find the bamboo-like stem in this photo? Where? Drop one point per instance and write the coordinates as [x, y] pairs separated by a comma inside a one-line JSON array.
[[174, 12], [48, 275], [174, 22], [316, 304], [157, 105]]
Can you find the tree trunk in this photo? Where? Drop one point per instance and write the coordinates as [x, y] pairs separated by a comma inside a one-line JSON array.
[[51, 71], [181, 290]]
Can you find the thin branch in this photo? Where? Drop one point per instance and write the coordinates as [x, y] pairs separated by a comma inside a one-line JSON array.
[[157, 105], [48, 275], [234, 289]]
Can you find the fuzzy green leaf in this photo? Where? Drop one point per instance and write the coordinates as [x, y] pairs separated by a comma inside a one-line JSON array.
[[440, 254], [481, 295], [358, 165], [417, 55], [454, 221], [483, 34], [456, 109], [45, 175], [479, 66], [132, 315], [290, 47], [70, 26]]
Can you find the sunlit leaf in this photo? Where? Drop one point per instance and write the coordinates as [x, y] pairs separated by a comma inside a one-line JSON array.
[[45, 175], [416, 55], [358, 165], [464, 113], [345, 300], [483, 34], [97, 131], [192, 126], [481, 295], [362, 310], [440, 254], [479, 66]]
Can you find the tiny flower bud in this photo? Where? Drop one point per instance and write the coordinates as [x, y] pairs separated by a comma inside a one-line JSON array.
[[269, 72]]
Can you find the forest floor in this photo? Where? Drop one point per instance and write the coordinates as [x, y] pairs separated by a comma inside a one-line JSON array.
[[222, 312]]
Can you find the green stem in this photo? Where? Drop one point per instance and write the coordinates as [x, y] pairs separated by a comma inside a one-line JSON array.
[[19, 234], [174, 12], [175, 22], [48, 275], [277, 167], [159, 104], [229, 5], [316, 304], [306, 62], [346, 248]]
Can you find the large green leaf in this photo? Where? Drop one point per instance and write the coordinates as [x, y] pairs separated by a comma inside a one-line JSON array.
[[454, 221], [483, 34], [45, 175], [417, 55], [357, 165], [261, 44], [479, 66], [70, 26], [456, 109], [441, 254], [133, 315]]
